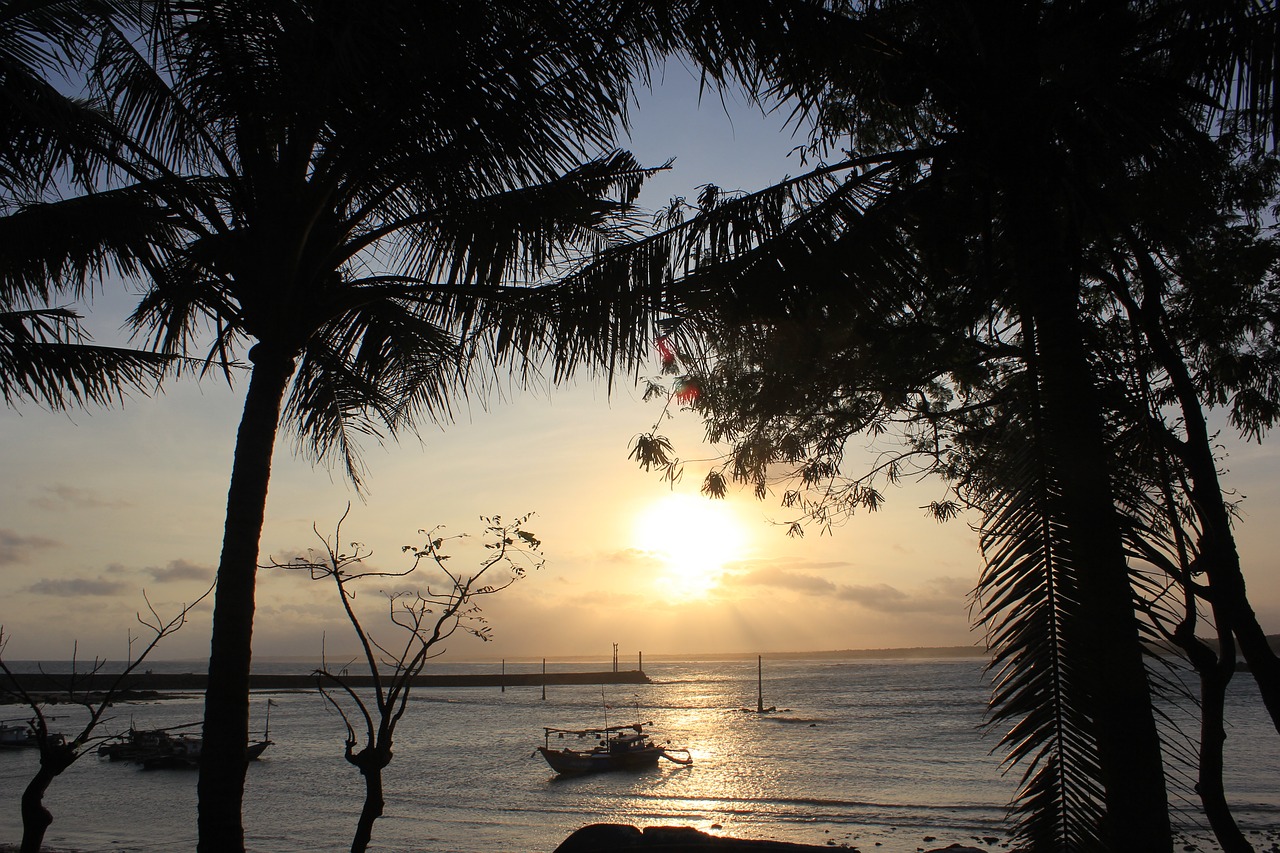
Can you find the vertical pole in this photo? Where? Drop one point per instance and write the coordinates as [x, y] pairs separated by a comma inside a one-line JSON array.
[[759, 684], [641, 661], [544, 679], [503, 682]]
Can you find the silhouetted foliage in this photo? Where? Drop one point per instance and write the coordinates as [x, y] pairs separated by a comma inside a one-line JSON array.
[[425, 619], [56, 752], [949, 277], [356, 198]]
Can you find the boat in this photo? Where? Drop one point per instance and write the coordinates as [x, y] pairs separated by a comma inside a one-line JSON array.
[[14, 735], [138, 744], [183, 750], [624, 747], [18, 734], [174, 751], [170, 748]]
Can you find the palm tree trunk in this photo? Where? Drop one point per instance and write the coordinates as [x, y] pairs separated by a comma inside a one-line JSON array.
[[223, 758], [1111, 658]]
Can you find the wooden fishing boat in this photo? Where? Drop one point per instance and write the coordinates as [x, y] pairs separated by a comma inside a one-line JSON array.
[[625, 747], [138, 744], [16, 734], [183, 751], [170, 747]]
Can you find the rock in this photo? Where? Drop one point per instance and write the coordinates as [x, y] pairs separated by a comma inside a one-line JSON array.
[[607, 837]]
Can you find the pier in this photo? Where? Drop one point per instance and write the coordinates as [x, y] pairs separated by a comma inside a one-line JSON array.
[[48, 684]]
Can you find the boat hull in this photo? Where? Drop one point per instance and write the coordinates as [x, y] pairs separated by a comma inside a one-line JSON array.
[[569, 762]]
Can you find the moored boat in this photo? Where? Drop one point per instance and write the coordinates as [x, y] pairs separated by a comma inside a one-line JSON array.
[[138, 744], [14, 735], [163, 748], [17, 734], [625, 747]]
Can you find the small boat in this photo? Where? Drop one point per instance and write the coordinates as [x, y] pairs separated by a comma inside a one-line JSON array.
[[138, 744], [181, 751], [625, 747], [175, 751], [16, 734], [156, 749]]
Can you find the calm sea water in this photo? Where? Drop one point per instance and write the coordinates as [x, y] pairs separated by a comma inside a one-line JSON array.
[[879, 755]]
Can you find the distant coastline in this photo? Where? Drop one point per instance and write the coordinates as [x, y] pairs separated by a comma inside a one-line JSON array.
[[932, 652], [588, 662]]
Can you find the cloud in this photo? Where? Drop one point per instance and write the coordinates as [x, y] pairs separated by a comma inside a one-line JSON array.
[[783, 579], [181, 570], [15, 548], [941, 595], [77, 587], [61, 496], [634, 557]]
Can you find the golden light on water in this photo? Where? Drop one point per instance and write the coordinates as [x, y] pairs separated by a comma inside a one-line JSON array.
[[693, 538]]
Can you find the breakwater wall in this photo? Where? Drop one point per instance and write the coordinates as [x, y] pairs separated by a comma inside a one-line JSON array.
[[52, 683]]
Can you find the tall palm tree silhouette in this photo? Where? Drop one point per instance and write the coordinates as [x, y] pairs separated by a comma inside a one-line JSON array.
[[354, 196]]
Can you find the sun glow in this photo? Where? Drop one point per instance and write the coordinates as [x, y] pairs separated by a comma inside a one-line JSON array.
[[693, 538]]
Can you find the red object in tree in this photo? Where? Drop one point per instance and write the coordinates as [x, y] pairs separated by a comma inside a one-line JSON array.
[[664, 349]]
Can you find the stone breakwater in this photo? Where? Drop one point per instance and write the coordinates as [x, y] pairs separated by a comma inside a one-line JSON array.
[[51, 683]]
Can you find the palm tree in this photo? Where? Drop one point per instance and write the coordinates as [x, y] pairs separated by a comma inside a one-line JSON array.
[[355, 193]]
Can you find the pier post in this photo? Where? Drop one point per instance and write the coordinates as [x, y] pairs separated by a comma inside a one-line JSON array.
[[504, 675], [544, 679]]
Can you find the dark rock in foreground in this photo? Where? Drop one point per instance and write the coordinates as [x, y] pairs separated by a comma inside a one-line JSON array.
[[607, 837]]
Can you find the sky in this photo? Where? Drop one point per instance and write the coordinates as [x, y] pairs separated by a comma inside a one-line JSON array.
[[99, 506]]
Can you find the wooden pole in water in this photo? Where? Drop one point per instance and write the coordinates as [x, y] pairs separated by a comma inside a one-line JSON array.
[[759, 684], [503, 682], [641, 661], [544, 679]]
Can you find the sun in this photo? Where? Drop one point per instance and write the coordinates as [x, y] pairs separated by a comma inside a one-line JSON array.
[[693, 538]]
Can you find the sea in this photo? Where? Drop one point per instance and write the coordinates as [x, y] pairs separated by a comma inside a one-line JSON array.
[[885, 755]]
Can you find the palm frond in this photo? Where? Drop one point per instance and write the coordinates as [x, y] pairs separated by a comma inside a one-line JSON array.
[[45, 358], [1029, 604], [68, 245], [379, 367]]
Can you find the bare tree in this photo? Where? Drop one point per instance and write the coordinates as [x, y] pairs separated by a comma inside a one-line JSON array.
[[57, 753], [425, 619]]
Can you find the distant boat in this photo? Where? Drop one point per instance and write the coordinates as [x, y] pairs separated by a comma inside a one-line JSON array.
[[137, 744], [625, 747], [17, 734], [182, 751], [14, 735], [161, 748], [760, 708]]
